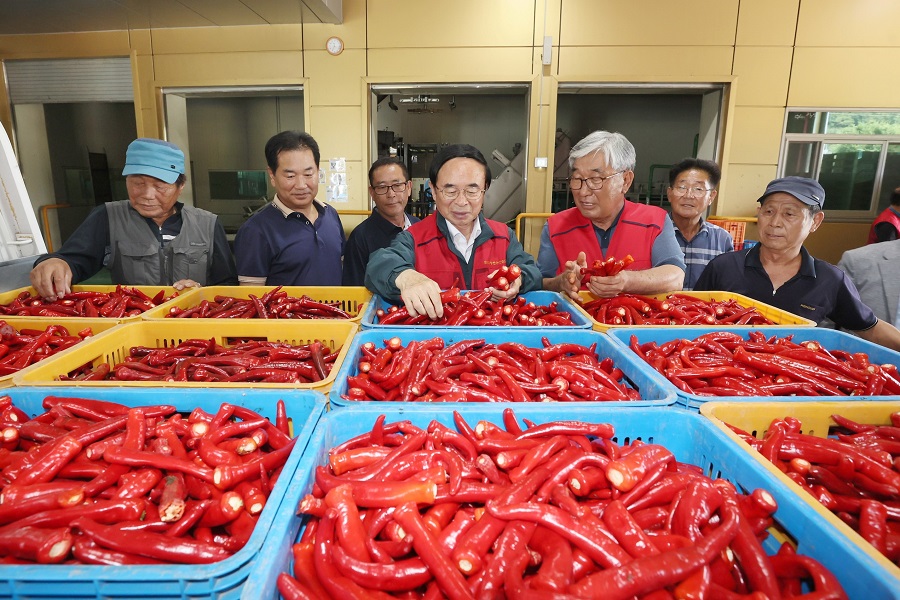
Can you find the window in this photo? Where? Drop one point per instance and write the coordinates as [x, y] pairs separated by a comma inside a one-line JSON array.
[[854, 154]]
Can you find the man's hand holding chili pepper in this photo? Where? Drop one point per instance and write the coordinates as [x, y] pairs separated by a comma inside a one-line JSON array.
[[505, 282], [608, 287], [420, 294]]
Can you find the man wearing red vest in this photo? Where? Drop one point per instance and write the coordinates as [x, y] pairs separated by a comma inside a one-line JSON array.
[[455, 245], [603, 224], [886, 227]]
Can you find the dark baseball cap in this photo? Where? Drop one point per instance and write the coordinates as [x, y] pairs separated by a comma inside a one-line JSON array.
[[156, 158], [806, 190]]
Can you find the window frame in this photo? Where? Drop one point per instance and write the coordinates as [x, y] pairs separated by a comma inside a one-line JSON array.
[[823, 139]]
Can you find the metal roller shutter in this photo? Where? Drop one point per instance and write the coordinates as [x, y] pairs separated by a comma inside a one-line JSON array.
[[69, 80]]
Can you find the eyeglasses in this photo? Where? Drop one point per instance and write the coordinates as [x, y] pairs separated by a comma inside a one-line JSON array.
[[381, 190], [593, 183], [452, 193], [681, 190]]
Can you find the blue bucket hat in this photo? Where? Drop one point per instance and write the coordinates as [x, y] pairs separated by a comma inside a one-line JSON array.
[[156, 158], [806, 190]]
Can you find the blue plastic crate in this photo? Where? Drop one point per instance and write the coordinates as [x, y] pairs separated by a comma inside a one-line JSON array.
[[690, 437], [829, 338], [220, 580], [652, 394], [543, 298]]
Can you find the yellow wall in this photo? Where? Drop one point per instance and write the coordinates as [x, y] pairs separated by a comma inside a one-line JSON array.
[[772, 53]]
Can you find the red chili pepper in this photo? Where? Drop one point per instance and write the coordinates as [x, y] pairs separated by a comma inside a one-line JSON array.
[[88, 552], [172, 502], [450, 579], [105, 511], [45, 546], [153, 545], [138, 483], [625, 472]]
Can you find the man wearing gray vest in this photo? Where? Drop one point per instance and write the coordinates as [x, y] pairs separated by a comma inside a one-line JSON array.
[[149, 239]]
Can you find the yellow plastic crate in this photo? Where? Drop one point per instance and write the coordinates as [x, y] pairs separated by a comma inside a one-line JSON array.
[[815, 418], [73, 326], [151, 290], [351, 299], [780, 317], [115, 347]]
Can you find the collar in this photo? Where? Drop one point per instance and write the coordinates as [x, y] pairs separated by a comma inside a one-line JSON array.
[[894, 210], [175, 215], [614, 223], [287, 212], [457, 236], [385, 225], [807, 262], [704, 226]]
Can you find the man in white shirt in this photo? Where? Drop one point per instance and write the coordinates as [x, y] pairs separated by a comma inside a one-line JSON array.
[[454, 246]]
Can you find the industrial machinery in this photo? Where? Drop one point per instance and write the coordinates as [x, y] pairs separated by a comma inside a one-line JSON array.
[[505, 199]]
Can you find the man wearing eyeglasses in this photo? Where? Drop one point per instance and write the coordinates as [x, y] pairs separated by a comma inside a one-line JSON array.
[[454, 246], [603, 223], [389, 188], [295, 240], [692, 188]]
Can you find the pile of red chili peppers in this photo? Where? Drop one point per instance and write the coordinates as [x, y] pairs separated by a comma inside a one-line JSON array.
[[274, 304], [676, 309], [207, 361], [605, 268], [102, 483], [478, 310], [473, 371], [723, 363], [124, 301], [550, 511], [856, 474], [23, 348]]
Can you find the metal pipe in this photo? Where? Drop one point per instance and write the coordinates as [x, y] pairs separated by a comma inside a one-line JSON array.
[[45, 221]]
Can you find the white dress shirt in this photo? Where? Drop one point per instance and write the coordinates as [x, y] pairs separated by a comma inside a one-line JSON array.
[[460, 242]]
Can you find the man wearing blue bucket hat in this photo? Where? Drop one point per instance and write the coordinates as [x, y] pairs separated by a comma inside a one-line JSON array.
[[781, 272], [149, 239]]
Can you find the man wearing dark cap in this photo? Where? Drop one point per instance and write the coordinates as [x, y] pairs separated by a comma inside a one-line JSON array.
[[779, 270], [149, 239]]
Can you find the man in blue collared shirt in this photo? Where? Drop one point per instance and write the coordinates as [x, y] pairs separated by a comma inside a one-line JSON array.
[[692, 188], [296, 240]]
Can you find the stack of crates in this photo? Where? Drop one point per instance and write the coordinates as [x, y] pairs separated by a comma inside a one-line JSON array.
[[735, 228]]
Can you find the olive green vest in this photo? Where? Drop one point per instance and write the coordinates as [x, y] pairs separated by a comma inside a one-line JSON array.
[[137, 257]]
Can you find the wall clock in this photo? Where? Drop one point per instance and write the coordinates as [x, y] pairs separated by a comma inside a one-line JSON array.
[[334, 45]]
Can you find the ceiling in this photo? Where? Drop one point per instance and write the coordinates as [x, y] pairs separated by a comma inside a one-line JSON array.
[[62, 16]]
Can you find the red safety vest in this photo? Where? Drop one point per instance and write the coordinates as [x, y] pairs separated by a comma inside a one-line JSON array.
[[436, 260], [638, 226], [886, 216]]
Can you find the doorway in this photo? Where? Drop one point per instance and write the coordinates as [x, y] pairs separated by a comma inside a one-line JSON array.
[[414, 121], [223, 132], [664, 122]]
